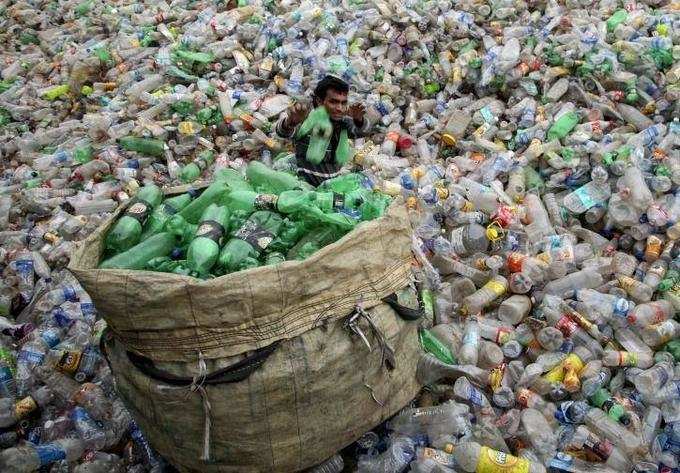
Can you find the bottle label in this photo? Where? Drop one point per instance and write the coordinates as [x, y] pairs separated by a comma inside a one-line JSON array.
[[627, 358], [621, 307], [503, 335], [30, 357], [139, 211], [566, 326], [561, 462], [168, 209], [457, 241], [69, 294], [493, 461], [69, 361], [338, 201], [49, 453], [438, 456], [524, 396], [265, 202], [584, 196], [211, 230], [666, 331], [24, 407], [475, 397], [255, 235], [495, 287]]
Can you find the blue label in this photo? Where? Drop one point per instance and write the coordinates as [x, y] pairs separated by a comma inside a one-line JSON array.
[[561, 462], [621, 307], [61, 318], [475, 397], [69, 294], [88, 310], [50, 337], [30, 357], [49, 453], [24, 267], [79, 414], [585, 197], [487, 114]]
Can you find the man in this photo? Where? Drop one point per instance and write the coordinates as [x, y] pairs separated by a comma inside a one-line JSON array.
[[331, 93]]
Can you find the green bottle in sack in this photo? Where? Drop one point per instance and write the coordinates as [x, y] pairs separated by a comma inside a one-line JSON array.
[[251, 240], [268, 181], [139, 255], [165, 264], [344, 184], [205, 247], [182, 230], [194, 169], [211, 195], [249, 201], [127, 231], [162, 214], [374, 206], [233, 179], [313, 241], [291, 202], [289, 235]]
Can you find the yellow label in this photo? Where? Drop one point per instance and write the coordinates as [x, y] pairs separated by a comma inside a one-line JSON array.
[[555, 375], [495, 287], [24, 407], [493, 461], [627, 283], [627, 358], [573, 362]]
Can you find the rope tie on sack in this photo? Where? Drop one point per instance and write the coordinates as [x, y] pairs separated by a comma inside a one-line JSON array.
[[196, 385], [387, 358]]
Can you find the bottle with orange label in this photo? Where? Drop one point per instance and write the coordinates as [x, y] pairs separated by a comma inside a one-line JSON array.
[[628, 358]]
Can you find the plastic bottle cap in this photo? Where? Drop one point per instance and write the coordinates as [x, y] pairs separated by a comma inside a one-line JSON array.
[[404, 142], [448, 139]]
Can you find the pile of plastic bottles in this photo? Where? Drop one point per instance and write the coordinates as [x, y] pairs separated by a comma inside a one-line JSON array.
[[236, 223], [535, 143]]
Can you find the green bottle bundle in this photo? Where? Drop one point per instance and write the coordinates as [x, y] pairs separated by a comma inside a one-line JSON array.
[[236, 224], [205, 247], [128, 229]]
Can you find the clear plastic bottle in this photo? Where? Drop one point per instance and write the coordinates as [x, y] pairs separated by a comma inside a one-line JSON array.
[[494, 288]]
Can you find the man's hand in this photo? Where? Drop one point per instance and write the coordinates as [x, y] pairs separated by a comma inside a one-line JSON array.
[[296, 114], [357, 111]]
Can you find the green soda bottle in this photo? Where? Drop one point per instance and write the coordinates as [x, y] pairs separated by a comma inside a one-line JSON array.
[[673, 347], [165, 264], [160, 244], [128, 229], [237, 219], [233, 179], [344, 184], [162, 214], [294, 201], [563, 126], [182, 230], [433, 345], [619, 16], [147, 146], [249, 201], [315, 216], [211, 195], [290, 234], [533, 180], [82, 154], [313, 241], [251, 240], [606, 402], [193, 170], [268, 181], [374, 206], [205, 247]]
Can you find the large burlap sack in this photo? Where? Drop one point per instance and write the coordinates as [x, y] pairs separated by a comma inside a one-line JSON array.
[[301, 384]]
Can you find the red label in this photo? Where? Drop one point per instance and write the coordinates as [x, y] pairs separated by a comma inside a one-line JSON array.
[[566, 326]]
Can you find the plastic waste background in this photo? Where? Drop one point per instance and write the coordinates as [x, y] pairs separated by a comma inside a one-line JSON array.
[[553, 126]]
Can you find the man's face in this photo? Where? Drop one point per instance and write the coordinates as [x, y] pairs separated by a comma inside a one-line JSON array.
[[335, 103]]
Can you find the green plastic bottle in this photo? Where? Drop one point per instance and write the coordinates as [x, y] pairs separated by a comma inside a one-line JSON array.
[[606, 402], [182, 230], [165, 264], [193, 170], [139, 255], [82, 154], [289, 235], [344, 184], [251, 240], [291, 202], [161, 214], [673, 347], [619, 16], [146, 146], [127, 231], [313, 241], [313, 215], [533, 180], [374, 206], [249, 201], [233, 179], [563, 126], [56, 92], [205, 247], [211, 195], [268, 181], [433, 345]]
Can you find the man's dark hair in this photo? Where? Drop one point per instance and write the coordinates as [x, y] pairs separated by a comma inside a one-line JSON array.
[[330, 82]]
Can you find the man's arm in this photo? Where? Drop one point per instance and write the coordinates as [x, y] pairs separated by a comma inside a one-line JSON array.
[[290, 120], [358, 126]]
